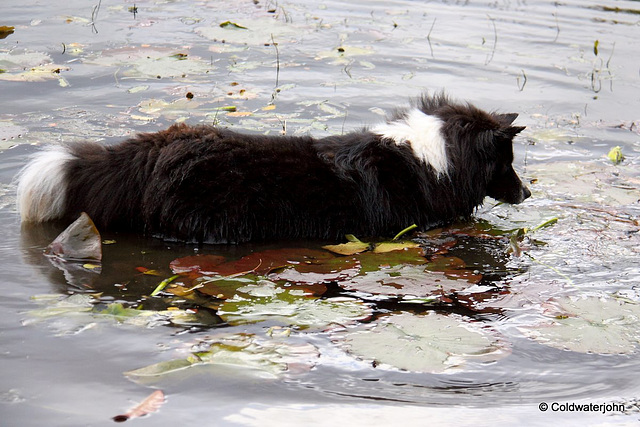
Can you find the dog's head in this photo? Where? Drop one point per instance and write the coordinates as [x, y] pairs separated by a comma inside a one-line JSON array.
[[504, 184]]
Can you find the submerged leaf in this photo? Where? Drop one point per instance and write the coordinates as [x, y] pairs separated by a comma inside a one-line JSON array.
[[200, 264], [299, 265], [371, 261]]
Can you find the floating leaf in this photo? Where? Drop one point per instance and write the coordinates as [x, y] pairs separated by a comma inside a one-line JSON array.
[[39, 73], [80, 241], [241, 351], [405, 280], [430, 343], [371, 261], [291, 307], [590, 325], [151, 404], [586, 182], [295, 264], [385, 247], [354, 246], [10, 131], [137, 89], [162, 368], [57, 305], [349, 248], [595, 47], [615, 155], [229, 24], [148, 62], [221, 287], [258, 31], [6, 31], [240, 114]]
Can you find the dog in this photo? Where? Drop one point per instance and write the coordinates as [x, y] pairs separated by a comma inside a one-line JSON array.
[[430, 164]]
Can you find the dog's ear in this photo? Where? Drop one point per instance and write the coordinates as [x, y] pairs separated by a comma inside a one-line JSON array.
[[506, 119], [514, 130]]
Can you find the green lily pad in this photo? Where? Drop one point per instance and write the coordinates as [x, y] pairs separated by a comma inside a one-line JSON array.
[[405, 280], [290, 307], [241, 351], [150, 62], [59, 305], [371, 261], [430, 343], [590, 325], [587, 182], [254, 31]]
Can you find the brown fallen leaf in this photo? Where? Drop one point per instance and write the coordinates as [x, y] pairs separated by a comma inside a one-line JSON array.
[[149, 405], [80, 241], [6, 31]]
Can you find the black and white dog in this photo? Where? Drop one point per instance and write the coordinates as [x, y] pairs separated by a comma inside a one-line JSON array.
[[428, 165]]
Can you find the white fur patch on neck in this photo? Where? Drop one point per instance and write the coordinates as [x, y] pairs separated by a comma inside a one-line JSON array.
[[423, 133]]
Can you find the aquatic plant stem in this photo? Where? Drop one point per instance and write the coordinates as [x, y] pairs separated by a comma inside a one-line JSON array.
[[163, 285], [406, 230]]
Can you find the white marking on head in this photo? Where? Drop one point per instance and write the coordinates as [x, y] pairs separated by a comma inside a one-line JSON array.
[[41, 193], [423, 133]]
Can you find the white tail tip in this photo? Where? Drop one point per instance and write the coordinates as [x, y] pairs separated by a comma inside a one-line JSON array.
[[41, 193]]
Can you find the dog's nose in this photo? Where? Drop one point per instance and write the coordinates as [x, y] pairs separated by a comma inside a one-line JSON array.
[[525, 193]]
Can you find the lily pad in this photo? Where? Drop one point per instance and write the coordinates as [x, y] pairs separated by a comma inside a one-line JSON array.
[[299, 265], [220, 287], [590, 325], [291, 307], [372, 261], [9, 131], [253, 31], [241, 351], [150, 62], [199, 264], [427, 343], [405, 280], [587, 182]]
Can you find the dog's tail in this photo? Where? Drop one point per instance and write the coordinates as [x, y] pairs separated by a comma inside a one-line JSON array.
[[42, 185], [107, 183]]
